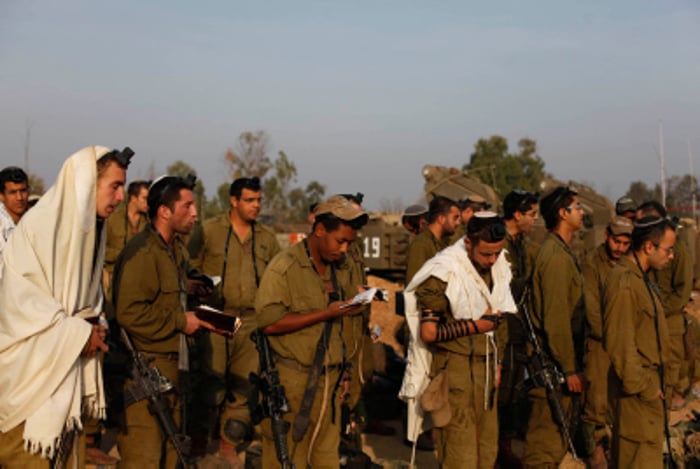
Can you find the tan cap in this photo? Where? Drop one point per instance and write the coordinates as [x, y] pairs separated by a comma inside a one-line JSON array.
[[415, 210], [621, 226], [340, 207], [625, 204]]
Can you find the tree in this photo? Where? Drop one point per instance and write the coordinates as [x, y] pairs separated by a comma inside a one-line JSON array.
[[36, 184], [182, 169], [494, 165], [640, 192], [679, 196], [249, 158], [281, 199]]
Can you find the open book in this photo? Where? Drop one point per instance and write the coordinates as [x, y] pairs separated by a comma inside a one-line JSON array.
[[224, 324]]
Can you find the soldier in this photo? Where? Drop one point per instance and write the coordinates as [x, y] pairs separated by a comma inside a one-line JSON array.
[[637, 341], [520, 214], [596, 415], [414, 219], [626, 207], [304, 292], [127, 220], [443, 219], [467, 208], [235, 247], [676, 283], [461, 294], [558, 315], [14, 193], [150, 287], [51, 284]]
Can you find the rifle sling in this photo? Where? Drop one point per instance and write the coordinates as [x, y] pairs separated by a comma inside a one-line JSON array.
[[302, 419]]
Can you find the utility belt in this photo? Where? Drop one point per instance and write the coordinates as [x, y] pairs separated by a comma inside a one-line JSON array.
[[295, 365]]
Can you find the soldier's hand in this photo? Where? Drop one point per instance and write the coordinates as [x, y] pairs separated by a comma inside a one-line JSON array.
[[341, 308], [96, 342], [197, 288], [576, 383], [194, 324]]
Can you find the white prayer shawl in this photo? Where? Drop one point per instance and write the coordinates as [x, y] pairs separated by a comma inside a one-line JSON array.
[[469, 298], [49, 281]]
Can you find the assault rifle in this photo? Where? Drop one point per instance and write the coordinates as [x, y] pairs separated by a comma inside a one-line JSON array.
[[273, 403], [149, 384], [543, 373]]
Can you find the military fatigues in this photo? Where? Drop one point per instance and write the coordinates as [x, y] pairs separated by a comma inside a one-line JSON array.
[[149, 293], [630, 328], [359, 346], [291, 285], [558, 315], [423, 247], [470, 439], [596, 362], [119, 232], [676, 283], [236, 295], [513, 407]]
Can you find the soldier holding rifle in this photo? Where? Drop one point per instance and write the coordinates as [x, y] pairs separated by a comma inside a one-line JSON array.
[[558, 316], [150, 288], [304, 292]]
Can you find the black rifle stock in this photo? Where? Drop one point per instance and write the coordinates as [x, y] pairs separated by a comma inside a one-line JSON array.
[[543, 373], [274, 403], [148, 384]]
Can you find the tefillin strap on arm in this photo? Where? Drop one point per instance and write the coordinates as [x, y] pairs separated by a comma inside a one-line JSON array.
[[455, 330]]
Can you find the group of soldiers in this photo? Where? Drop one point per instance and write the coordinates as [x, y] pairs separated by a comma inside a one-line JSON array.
[[156, 272], [613, 324], [81, 265]]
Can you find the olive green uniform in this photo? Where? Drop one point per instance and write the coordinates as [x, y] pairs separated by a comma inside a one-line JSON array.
[[236, 295], [631, 319], [676, 283], [424, 246], [149, 294], [596, 361], [521, 253], [470, 439], [119, 232], [359, 344], [558, 316], [291, 285]]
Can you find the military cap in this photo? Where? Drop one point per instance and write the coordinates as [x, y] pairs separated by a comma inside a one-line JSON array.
[[621, 226], [415, 210], [472, 200], [340, 207], [625, 204]]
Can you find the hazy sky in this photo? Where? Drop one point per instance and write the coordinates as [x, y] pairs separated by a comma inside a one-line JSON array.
[[360, 95]]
